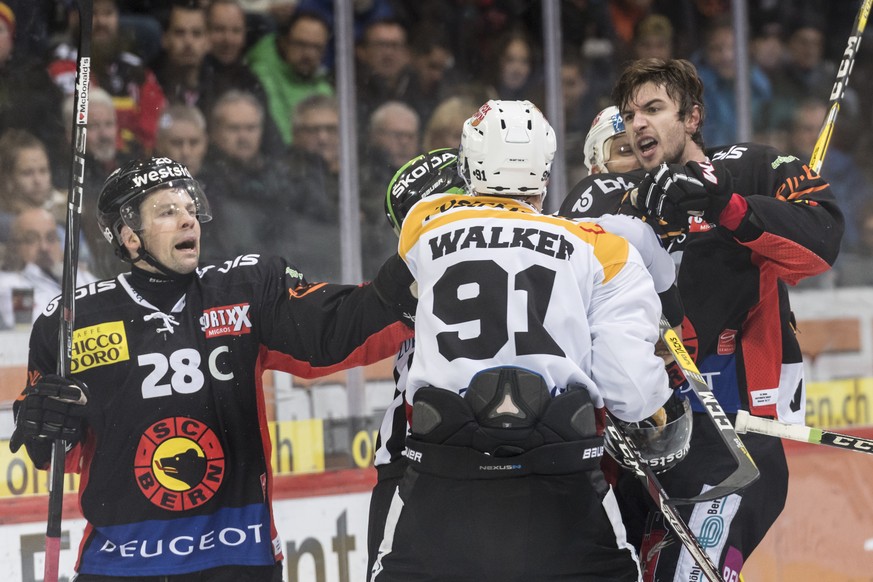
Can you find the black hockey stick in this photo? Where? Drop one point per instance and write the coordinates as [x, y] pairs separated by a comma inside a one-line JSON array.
[[631, 456], [839, 88], [68, 282], [746, 472], [806, 434]]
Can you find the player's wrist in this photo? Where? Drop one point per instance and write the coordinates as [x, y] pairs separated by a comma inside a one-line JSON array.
[[733, 213]]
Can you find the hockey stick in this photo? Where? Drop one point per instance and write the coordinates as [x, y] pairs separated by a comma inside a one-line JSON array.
[[68, 282], [631, 456], [746, 472], [805, 434], [839, 88]]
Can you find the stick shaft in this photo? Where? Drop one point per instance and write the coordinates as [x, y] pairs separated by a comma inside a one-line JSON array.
[[805, 434], [839, 88], [68, 282]]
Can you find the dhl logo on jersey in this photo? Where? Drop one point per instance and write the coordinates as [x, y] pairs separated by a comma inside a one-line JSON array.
[[99, 345], [226, 320]]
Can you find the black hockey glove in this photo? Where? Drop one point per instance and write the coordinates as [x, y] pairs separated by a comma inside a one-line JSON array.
[[53, 408], [672, 192], [395, 286]]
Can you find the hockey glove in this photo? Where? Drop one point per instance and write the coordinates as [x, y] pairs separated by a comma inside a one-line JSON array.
[[53, 408], [397, 289], [673, 192]]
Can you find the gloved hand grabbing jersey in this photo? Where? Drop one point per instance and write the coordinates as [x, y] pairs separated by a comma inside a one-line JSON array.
[[673, 192], [53, 408]]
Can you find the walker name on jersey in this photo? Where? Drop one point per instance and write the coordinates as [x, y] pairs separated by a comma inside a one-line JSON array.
[[226, 320], [498, 237], [99, 345]]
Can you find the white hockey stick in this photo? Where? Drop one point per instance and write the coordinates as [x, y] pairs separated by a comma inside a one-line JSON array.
[[797, 432]]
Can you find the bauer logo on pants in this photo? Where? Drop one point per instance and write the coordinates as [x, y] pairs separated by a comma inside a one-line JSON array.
[[179, 463], [99, 345]]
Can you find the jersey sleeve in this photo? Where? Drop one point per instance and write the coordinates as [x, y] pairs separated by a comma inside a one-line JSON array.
[[795, 226], [623, 317], [314, 329]]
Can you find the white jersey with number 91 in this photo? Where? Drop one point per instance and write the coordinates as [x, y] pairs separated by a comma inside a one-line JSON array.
[[501, 284]]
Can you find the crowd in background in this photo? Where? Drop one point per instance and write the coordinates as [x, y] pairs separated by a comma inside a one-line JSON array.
[[243, 92]]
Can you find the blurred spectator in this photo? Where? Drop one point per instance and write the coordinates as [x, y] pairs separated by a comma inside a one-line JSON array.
[[443, 129], [252, 195], [182, 136], [316, 124], [580, 103], [384, 72], [850, 186], [226, 28], [36, 255], [392, 140], [135, 91], [432, 62], [767, 47], [365, 12], [289, 67], [625, 16], [25, 175], [28, 98], [717, 70], [806, 73], [313, 159], [653, 38], [190, 75], [516, 74], [184, 45]]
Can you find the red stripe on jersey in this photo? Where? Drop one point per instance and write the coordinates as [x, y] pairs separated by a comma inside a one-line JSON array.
[[377, 347], [791, 261]]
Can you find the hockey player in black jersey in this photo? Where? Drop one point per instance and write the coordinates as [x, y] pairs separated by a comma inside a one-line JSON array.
[[753, 220], [164, 412]]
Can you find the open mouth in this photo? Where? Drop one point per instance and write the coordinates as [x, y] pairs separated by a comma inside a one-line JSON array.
[[646, 145], [187, 245]]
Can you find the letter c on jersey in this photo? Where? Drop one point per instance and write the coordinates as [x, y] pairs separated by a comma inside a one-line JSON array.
[[213, 368]]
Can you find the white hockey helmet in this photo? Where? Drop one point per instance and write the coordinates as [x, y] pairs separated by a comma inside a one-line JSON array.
[[606, 125], [507, 149]]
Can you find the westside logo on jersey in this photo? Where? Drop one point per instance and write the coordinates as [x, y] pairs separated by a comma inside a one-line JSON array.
[[226, 320], [99, 345], [179, 463]]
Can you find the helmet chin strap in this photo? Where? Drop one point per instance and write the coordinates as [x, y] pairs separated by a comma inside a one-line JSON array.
[[148, 258]]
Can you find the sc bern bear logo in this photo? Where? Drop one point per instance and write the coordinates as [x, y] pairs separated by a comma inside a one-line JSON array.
[[179, 463]]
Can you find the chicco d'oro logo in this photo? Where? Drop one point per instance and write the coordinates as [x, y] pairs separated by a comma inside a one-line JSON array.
[[98, 345], [179, 463]]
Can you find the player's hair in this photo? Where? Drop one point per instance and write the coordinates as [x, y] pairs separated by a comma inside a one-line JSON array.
[[677, 76]]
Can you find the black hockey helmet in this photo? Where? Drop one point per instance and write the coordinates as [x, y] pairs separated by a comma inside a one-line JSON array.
[[432, 173], [662, 439], [125, 189]]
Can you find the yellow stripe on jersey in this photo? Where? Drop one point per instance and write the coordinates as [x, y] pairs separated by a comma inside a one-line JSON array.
[[610, 250]]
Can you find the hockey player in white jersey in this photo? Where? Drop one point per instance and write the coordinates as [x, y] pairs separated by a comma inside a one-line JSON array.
[[528, 327]]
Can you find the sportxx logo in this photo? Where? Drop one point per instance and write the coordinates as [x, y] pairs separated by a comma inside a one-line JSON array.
[[679, 351], [226, 320], [179, 463], [99, 345]]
